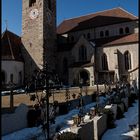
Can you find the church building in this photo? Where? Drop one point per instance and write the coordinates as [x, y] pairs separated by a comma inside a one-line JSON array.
[[101, 47], [98, 48]]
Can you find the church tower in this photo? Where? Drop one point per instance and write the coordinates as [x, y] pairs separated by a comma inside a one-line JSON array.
[[38, 35]]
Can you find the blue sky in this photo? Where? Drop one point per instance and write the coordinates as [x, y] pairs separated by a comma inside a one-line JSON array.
[[11, 10]]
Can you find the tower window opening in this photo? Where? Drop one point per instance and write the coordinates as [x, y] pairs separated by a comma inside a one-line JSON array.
[[31, 3], [49, 4]]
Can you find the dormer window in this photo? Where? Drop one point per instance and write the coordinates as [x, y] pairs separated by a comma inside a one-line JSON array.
[[31, 3], [101, 34]]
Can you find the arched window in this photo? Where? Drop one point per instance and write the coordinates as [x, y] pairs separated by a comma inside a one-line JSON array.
[[104, 62], [127, 60], [126, 30], [72, 38], [106, 33], [20, 77], [101, 34], [88, 35], [31, 2], [3, 77], [11, 78], [65, 65], [82, 53], [121, 31]]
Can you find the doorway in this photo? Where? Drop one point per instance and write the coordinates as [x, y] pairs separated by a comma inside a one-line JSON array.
[[84, 77]]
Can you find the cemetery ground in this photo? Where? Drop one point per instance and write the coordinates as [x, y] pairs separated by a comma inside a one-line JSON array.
[[120, 132], [118, 102]]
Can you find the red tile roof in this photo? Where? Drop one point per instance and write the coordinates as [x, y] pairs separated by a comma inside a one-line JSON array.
[[10, 46], [117, 40], [99, 19]]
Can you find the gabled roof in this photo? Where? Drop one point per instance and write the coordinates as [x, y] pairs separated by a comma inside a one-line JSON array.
[[10, 46], [117, 40], [115, 15]]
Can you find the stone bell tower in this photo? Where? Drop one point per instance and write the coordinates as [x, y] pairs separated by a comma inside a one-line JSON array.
[[38, 35]]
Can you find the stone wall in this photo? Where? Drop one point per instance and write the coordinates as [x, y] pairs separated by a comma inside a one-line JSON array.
[[113, 30], [13, 67], [109, 51]]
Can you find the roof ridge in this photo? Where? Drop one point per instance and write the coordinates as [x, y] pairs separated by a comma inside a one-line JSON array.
[[128, 12], [98, 12], [3, 34], [10, 33]]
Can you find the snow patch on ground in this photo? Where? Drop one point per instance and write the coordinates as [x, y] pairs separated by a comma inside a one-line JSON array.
[[28, 133], [131, 118]]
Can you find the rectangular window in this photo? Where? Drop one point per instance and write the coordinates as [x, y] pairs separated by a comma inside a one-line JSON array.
[[31, 3]]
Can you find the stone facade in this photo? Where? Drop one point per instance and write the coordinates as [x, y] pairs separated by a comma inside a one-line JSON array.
[[95, 48], [15, 68], [38, 35], [41, 45]]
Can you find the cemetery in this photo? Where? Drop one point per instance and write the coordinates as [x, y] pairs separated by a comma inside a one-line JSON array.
[[84, 116]]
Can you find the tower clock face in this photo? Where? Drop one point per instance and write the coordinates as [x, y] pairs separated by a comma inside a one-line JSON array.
[[33, 13]]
